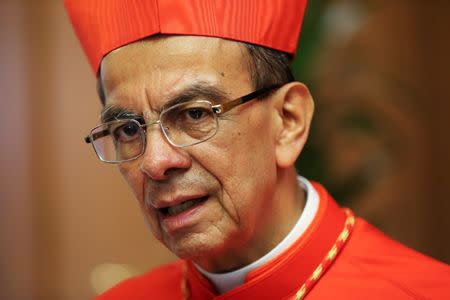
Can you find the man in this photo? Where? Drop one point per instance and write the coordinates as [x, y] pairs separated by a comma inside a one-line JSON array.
[[205, 122]]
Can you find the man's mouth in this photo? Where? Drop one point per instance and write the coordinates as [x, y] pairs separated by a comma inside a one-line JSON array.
[[182, 207]]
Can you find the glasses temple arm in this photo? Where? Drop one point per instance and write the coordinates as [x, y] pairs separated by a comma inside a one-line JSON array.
[[92, 137], [221, 108]]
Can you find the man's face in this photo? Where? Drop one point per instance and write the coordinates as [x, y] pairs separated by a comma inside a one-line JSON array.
[[230, 179]]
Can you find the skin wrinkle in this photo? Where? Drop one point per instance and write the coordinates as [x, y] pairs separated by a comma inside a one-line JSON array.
[[236, 167], [200, 259]]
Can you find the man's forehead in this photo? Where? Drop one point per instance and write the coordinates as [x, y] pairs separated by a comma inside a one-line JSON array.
[[173, 58], [166, 65], [171, 49]]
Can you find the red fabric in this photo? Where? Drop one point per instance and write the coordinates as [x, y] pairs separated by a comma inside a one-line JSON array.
[[370, 266], [104, 25]]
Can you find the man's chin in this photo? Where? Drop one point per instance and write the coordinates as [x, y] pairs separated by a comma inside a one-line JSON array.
[[192, 247]]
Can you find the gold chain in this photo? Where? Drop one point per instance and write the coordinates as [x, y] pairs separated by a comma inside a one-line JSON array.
[[329, 258]]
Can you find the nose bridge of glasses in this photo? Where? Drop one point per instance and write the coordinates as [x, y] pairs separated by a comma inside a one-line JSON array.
[[160, 126], [148, 124]]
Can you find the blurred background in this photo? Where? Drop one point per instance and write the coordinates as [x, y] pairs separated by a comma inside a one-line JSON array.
[[69, 226]]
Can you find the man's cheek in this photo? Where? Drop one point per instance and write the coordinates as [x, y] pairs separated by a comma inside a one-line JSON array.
[[136, 182], [153, 224]]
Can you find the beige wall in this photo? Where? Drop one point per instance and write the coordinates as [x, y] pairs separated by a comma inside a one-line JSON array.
[[62, 212], [15, 183]]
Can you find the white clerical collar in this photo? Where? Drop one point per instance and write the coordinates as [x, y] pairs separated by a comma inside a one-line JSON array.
[[228, 281]]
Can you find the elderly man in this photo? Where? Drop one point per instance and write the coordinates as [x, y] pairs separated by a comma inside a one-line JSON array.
[[205, 122]]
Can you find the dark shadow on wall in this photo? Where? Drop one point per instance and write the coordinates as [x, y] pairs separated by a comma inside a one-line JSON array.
[[378, 138]]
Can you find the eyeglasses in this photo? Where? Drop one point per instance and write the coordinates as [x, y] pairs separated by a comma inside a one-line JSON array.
[[184, 124]]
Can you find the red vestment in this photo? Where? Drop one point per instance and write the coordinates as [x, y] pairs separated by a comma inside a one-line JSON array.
[[369, 266]]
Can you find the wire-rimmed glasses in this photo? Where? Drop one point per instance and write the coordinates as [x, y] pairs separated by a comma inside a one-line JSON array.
[[184, 124]]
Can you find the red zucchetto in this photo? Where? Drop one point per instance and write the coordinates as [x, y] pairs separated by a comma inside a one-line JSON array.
[[105, 25]]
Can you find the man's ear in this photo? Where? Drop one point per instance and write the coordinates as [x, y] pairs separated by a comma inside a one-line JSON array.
[[295, 108]]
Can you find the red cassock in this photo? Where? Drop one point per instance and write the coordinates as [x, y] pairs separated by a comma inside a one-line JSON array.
[[368, 265]]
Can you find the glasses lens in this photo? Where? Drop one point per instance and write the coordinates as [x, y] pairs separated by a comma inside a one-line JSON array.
[[189, 123], [118, 140]]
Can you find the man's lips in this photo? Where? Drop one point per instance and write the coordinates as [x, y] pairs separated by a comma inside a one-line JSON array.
[[175, 205], [183, 215], [183, 206]]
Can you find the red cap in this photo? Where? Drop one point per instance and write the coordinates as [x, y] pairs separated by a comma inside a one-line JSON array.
[[105, 25]]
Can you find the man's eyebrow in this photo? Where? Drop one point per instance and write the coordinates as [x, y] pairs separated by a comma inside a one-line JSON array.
[[201, 90], [113, 112]]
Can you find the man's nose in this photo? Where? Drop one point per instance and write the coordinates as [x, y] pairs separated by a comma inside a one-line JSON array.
[[161, 158]]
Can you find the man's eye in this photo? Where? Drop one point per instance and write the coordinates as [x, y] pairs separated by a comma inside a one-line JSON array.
[[195, 113], [188, 116], [126, 132]]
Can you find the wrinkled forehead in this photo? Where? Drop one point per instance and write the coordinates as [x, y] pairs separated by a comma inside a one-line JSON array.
[[163, 65]]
